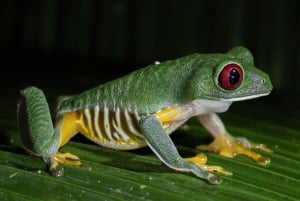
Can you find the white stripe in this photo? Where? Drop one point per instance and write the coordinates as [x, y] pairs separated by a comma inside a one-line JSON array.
[[121, 132], [244, 98], [116, 135], [118, 119], [106, 124], [130, 124], [118, 126], [87, 115], [96, 122]]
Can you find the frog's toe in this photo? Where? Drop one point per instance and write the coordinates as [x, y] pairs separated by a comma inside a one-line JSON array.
[[244, 142], [54, 162], [56, 170], [245, 147], [227, 146], [263, 161], [67, 158], [214, 179], [220, 145], [201, 159]]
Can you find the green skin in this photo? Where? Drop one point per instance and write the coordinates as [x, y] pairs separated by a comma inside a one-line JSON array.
[[148, 90]]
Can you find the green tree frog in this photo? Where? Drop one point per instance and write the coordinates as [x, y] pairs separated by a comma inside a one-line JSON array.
[[144, 107]]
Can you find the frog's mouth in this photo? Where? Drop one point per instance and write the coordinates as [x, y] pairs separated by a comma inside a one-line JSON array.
[[244, 97]]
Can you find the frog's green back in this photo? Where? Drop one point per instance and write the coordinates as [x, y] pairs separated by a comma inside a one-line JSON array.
[[173, 82], [145, 90]]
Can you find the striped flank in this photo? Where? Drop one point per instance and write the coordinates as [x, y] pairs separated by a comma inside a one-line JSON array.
[[116, 129]]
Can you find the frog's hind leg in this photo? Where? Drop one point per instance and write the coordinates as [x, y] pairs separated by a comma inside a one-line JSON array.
[[35, 123], [37, 132], [228, 146]]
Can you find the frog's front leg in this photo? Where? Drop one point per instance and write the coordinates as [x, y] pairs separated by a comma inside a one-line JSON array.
[[37, 132], [226, 145], [161, 144]]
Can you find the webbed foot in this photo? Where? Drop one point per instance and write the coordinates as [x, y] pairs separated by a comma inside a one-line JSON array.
[[56, 160], [201, 159], [228, 146]]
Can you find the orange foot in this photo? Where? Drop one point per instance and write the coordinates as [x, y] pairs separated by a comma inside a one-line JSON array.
[[227, 146], [201, 159], [61, 158]]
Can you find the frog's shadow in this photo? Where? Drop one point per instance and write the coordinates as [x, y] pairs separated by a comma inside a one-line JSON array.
[[143, 159]]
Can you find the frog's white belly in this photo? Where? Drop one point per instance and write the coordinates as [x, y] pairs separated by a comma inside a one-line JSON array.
[[196, 108], [208, 106]]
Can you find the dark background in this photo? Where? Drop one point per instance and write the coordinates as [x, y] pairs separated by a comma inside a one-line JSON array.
[[69, 46], [56, 42]]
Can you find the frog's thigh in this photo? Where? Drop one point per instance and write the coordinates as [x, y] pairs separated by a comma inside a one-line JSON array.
[[35, 123], [225, 144]]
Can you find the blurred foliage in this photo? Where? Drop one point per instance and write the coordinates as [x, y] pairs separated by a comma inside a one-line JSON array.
[[136, 33]]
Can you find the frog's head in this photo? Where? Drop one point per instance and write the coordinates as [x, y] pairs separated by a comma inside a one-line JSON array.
[[229, 77]]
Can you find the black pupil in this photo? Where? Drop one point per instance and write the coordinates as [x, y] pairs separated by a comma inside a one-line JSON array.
[[234, 76]]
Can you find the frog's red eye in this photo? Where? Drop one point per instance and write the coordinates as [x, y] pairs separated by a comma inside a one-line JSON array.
[[231, 76]]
